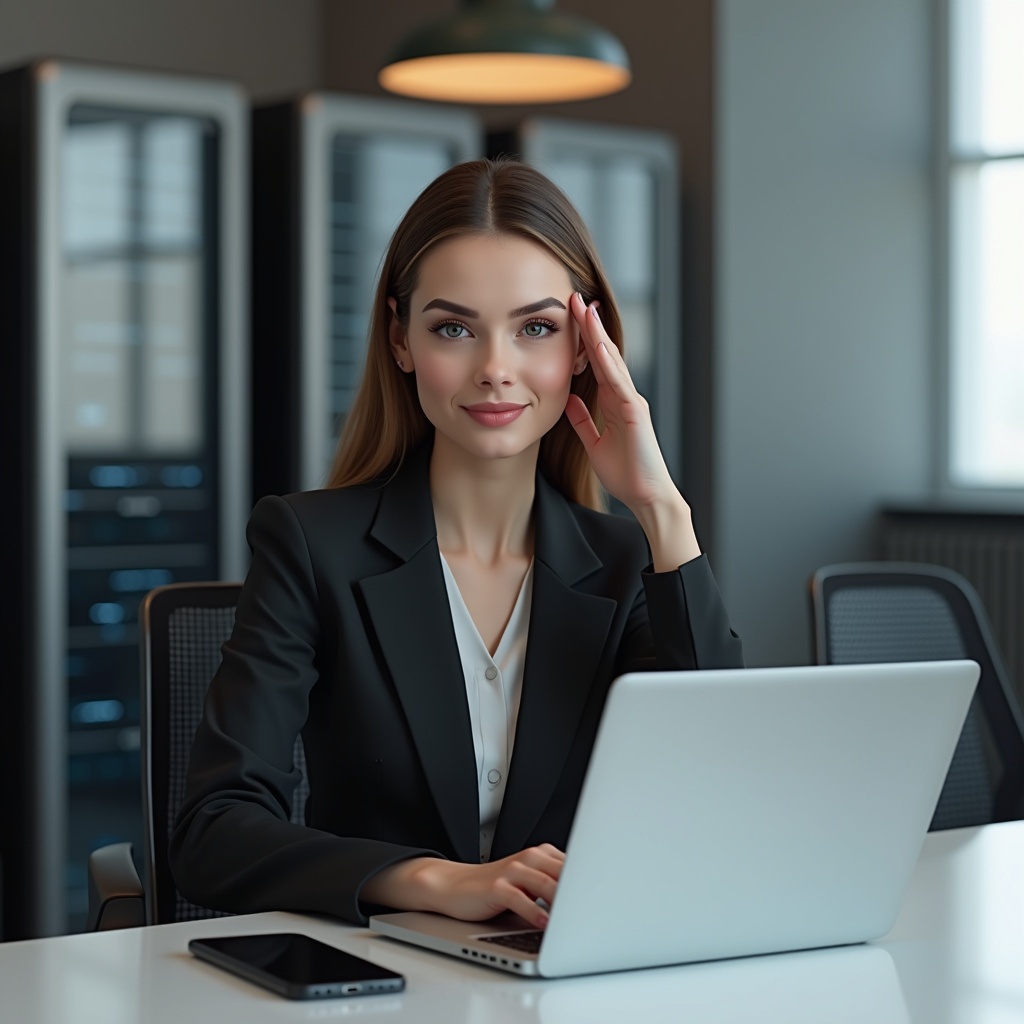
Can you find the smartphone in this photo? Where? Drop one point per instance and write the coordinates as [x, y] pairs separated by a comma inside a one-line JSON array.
[[296, 966]]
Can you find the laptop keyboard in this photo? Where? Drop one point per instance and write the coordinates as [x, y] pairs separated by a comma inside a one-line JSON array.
[[524, 942]]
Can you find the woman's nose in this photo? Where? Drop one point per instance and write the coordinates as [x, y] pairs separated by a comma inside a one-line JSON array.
[[496, 366]]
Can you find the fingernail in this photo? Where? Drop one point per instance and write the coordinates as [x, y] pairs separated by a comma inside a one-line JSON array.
[[542, 921]]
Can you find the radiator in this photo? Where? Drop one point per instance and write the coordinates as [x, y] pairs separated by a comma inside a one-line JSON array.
[[986, 548]]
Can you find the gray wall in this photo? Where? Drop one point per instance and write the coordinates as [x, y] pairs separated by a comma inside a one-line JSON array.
[[823, 357], [271, 47]]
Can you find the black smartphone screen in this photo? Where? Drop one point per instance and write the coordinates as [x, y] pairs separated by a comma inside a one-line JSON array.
[[297, 966]]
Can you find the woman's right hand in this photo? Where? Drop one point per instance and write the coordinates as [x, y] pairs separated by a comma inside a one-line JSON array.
[[472, 892]]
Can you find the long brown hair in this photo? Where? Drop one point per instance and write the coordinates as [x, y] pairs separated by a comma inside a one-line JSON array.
[[489, 197]]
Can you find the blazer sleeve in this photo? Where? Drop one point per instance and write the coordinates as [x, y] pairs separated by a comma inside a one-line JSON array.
[[679, 621], [233, 847]]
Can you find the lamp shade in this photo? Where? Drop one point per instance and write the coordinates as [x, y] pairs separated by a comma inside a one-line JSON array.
[[508, 51]]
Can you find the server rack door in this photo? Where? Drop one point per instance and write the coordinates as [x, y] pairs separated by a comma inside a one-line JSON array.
[[138, 458], [19, 769], [333, 176], [625, 184]]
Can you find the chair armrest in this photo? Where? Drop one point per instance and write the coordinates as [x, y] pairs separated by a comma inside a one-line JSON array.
[[116, 896]]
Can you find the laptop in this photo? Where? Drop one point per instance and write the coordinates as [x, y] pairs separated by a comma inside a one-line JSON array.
[[732, 813]]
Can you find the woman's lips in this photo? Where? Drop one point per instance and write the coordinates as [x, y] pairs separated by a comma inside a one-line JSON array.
[[494, 414]]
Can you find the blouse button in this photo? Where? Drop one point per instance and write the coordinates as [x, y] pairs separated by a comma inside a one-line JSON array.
[[490, 672], [494, 776]]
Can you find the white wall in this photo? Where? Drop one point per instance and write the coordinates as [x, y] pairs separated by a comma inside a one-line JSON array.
[[823, 351]]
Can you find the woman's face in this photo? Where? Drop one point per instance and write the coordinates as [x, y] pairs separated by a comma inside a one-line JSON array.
[[491, 341]]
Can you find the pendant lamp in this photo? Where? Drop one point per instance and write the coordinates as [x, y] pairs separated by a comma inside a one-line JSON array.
[[508, 51]]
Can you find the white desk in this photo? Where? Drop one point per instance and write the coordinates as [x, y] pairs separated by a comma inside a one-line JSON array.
[[955, 955]]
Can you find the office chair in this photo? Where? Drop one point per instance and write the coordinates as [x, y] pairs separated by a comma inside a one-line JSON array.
[[905, 611], [181, 629]]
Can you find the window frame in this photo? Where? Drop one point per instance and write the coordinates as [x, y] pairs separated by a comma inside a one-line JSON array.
[[949, 159]]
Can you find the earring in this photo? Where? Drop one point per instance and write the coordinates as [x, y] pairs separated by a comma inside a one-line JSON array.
[[401, 365]]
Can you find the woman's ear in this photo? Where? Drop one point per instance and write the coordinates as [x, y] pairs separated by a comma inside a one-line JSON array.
[[398, 338]]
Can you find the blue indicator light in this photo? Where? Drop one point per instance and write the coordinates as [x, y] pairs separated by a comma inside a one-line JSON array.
[[181, 476], [114, 476], [107, 613], [94, 712]]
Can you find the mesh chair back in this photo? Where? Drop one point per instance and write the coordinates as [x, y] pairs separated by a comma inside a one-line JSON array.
[[886, 612], [182, 628]]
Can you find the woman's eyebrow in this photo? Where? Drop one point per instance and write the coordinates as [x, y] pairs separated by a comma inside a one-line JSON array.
[[451, 307], [473, 314], [535, 307]]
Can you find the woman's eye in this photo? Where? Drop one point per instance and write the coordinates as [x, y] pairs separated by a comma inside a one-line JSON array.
[[451, 330], [539, 329]]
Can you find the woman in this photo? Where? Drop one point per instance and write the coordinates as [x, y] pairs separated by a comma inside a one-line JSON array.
[[443, 621]]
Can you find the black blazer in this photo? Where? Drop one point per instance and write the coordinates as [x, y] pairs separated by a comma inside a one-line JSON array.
[[343, 631]]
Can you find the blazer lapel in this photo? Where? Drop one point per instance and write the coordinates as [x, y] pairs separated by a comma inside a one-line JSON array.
[[409, 609], [568, 630]]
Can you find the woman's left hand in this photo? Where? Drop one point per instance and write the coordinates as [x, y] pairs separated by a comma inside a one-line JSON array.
[[627, 457]]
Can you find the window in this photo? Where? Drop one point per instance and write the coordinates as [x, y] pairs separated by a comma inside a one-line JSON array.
[[983, 184]]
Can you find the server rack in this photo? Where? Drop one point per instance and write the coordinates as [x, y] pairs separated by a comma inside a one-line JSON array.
[[332, 176], [625, 184], [123, 315]]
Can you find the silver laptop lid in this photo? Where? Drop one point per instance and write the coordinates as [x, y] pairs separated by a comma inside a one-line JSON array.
[[752, 811]]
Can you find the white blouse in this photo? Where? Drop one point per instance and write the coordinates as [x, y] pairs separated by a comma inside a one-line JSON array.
[[493, 689]]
